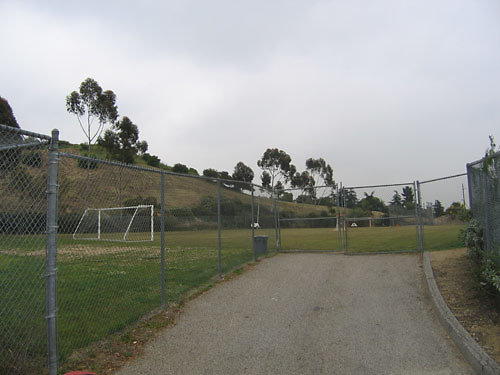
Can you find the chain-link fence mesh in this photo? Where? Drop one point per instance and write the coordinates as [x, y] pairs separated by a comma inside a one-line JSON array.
[[484, 185], [379, 218], [444, 211], [308, 219], [23, 210], [131, 239]]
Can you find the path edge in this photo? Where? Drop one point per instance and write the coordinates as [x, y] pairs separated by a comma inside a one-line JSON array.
[[479, 360]]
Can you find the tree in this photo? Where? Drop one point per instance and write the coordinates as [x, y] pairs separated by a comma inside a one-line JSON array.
[[458, 211], [321, 175], [244, 173], [305, 182], [122, 141], [350, 198], [396, 200], [9, 159], [372, 203], [210, 172], [92, 104], [152, 160], [408, 198], [7, 115], [180, 168], [438, 209], [277, 166]]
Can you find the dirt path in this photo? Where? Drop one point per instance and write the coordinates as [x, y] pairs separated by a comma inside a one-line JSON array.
[[309, 314]]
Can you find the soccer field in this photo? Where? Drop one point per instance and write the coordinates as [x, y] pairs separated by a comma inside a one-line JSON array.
[[105, 286]]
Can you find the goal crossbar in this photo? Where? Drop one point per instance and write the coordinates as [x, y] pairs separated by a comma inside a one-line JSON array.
[[129, 225]]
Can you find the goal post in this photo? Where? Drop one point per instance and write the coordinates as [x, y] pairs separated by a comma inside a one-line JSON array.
[[118, 224]]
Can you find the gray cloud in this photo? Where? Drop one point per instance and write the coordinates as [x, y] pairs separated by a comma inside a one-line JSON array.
[[385, 91]]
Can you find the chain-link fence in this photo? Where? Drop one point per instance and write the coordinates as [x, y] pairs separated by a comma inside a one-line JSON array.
[[88, 246], [308, 219], [379, 218], [484, 193], [122, 240], [444, 211], [24, 160]]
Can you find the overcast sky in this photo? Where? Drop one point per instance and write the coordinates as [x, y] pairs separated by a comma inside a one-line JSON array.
[[385, 91]]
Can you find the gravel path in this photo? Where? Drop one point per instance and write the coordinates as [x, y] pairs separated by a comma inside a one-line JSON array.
[[309, 314]]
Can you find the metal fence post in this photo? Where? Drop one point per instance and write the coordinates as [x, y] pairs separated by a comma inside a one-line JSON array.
[[278, 221], [275, 195], [162, 231], [51, 261], [421, 220], [252, 224], [486, 224], [417, 212], [219, 227], [339, 227]]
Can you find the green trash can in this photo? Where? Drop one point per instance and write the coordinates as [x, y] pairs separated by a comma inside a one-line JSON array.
[[260, 244]]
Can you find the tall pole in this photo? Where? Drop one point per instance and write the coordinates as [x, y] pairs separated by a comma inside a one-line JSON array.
[[218, 228], [51, 261], [162, 233], [253, 225]]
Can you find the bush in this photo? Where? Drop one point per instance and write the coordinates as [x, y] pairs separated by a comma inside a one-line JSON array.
[[152, 160], [180, 168], [33, 159], [488, 263], [87, 164]]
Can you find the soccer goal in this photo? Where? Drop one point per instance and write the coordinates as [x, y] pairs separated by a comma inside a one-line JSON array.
[[121, 224]]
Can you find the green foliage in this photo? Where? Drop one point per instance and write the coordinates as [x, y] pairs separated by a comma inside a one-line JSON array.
[[20, 179], [8, 159], [286, 196], [193, 171], [7, 115], [87, 164], [396, 200], [242, 172], [437, 209], [139, 200], [350, 198], [210, 172], [180, 168], [459, 212], [33, 159], [122, 142], [372, 203], [89, 104], [489, 158], [151, 160], [408, 198], [276, 165], [488, 263]]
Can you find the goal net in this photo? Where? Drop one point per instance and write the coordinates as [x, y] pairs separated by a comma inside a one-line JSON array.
[[122, 224]]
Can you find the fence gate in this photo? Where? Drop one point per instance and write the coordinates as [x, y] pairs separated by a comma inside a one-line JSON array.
[[379, 218], [311, 221]]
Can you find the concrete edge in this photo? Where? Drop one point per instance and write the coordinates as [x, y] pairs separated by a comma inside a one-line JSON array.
[[480, 361]]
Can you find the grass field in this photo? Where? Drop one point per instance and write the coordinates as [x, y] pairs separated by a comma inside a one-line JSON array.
[[105, 286]]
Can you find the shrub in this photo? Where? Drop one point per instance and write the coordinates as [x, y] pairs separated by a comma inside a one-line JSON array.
[[33, 159], [488, 263], [87, 164], [180, 168]]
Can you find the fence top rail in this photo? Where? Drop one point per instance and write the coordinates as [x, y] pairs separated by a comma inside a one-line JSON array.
[[378, 218], [376, 186], [158, 171], [443, 178], [313, 187], [120, 208], [495, 155], [309, 218], [25, 132]]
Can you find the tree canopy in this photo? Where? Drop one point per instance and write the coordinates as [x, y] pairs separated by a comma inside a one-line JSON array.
[[277, 167], [91, 104], [408, 198], [7, 115], [122, 141]]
